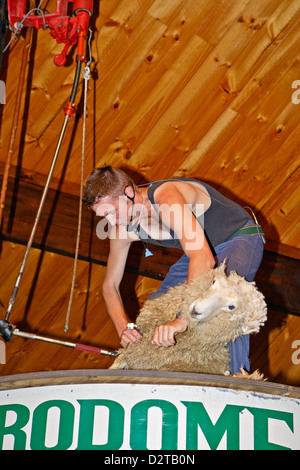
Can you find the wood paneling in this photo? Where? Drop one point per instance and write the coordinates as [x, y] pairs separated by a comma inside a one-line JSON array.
[[197, 88], [278, 276], [41, 308]]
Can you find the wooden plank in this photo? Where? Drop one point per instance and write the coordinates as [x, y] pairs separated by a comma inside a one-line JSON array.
[[266, 78], [260, 46], [221, 19], [163, 10], [40, 179], [283, 212], [211, 144], [272, 349], [278, 277], [281, 351]]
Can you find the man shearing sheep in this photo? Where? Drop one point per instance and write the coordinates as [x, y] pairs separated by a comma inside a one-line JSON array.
[[179, 213]]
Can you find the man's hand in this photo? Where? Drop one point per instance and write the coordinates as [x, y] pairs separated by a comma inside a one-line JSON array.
[[164, 335], [129, 337]]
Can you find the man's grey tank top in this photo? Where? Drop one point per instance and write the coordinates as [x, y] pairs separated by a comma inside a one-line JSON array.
[[221, 220]]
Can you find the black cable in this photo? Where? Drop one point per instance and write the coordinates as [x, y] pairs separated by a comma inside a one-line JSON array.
[[76, 82]]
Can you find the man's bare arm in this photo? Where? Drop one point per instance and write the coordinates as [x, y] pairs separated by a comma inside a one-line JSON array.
[[111, 293], [193, 241]]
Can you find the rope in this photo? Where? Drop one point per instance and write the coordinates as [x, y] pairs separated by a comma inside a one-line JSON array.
[[86, 75]]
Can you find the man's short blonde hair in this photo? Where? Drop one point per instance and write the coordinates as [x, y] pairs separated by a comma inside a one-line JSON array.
[[105, 181]]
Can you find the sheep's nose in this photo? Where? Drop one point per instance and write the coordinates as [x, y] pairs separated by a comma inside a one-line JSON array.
[[194, 313]]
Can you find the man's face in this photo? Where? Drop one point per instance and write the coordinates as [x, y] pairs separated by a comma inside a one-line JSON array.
[[115, 210]]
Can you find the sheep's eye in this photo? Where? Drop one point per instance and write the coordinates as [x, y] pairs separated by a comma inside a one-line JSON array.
[[231, 307]]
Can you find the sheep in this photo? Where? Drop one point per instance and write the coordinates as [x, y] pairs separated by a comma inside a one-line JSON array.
[[218, 309]]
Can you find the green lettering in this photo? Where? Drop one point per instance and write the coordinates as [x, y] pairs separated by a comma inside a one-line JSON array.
[[228, 421], [139, 422], [39, 425], [16, 428], [86, 425], [261, 434]]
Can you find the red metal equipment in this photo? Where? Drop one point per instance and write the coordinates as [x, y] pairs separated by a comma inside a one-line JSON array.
[[64, 29]]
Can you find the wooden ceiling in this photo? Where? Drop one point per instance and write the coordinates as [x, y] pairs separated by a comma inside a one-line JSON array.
[[197, 88]]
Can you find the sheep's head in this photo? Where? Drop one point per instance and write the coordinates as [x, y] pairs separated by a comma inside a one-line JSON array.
[[222, 296]]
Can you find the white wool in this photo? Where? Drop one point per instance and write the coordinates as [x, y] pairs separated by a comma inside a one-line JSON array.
[[218, 310]]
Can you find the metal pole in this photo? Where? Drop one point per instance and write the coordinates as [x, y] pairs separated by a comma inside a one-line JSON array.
[[30, 241], [68, 111], [78, 346]]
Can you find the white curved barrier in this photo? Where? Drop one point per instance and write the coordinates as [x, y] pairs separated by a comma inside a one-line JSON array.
[[143, 410]]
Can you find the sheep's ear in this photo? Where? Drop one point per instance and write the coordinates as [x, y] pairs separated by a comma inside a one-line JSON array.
[[219, 274], [221, 269]]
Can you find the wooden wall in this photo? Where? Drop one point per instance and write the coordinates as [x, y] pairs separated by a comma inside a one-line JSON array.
[[42, 306], [199, 88]]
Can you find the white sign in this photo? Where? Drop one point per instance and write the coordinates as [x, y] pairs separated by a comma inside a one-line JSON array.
[[146, 417]]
